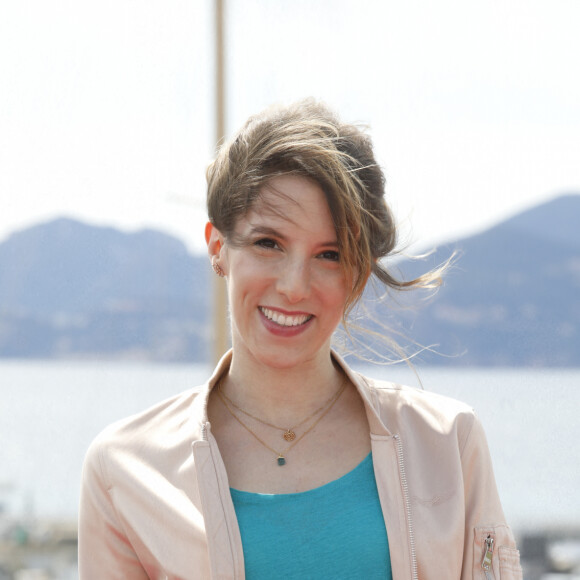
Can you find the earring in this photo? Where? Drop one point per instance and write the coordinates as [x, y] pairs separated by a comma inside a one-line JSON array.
[[217, 268]]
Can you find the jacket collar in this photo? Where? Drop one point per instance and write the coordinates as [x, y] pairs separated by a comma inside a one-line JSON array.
[[367, 392]]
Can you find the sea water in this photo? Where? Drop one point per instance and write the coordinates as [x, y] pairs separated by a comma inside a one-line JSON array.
[[50, 412]]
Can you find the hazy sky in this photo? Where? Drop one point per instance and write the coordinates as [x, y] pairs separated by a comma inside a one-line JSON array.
[[106, 108]]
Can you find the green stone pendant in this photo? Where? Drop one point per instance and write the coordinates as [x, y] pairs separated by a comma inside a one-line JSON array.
[[281, 460]]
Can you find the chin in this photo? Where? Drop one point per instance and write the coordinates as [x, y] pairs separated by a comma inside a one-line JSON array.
[[288, 358], [281, 360]]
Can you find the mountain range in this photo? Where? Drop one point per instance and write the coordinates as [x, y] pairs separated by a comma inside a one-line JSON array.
[[512, 296], [69, 289], [74, 290]]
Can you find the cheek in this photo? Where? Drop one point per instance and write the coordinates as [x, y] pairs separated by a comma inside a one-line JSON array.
[[336, 293], [245, 283]]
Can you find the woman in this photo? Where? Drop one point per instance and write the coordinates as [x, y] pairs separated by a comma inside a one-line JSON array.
[[286, 463]]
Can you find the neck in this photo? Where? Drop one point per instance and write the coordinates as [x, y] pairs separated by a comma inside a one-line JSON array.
[[281, 394]]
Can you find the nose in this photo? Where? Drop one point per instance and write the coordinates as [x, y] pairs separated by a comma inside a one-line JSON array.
[[294, 280]]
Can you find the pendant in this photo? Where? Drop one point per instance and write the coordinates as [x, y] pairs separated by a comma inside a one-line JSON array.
[[281, 460], [289, 435]]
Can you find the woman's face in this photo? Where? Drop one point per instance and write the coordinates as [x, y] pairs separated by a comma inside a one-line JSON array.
[[287, 289]]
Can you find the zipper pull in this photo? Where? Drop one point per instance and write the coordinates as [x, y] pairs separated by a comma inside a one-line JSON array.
[[487, 557]]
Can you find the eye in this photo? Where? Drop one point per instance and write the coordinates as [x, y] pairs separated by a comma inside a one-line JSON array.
[[268, 243], [330, 255]]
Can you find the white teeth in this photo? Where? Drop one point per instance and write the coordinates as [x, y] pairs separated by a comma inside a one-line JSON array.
[[285, 320]]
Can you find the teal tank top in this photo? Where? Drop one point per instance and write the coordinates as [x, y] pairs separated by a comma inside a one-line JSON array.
[[334, 531]]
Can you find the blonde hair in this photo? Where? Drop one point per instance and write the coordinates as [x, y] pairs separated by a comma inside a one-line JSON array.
[[307, 139]]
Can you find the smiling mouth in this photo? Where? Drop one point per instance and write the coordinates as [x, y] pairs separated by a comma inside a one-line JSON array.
[[285, 319]]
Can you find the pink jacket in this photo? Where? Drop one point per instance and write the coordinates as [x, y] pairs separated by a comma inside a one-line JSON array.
[[156, 502]]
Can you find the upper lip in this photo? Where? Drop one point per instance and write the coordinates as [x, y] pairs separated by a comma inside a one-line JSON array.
[[286, 312]]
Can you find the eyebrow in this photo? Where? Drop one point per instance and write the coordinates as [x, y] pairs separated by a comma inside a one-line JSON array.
[[268, 231]]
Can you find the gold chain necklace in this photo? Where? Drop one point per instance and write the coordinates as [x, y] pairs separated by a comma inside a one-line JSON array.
[[281, 459], [289, 433]]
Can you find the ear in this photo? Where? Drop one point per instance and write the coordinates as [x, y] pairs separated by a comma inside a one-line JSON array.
[[214, 240]]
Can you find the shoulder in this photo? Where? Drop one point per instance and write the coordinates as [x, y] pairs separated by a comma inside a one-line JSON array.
[[168, 415], [404, 408], [412, 397], [168, 425]]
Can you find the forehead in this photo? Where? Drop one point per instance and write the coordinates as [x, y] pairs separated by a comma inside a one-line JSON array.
[[291, 198]]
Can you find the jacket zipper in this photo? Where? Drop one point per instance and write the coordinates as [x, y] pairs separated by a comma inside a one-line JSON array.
[[407, 501], [487, 558]]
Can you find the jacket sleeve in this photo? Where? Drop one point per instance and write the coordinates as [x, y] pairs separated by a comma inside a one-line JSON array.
[[105, 553], [489, 546]]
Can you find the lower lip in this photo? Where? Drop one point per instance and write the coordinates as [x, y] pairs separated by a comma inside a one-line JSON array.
[[286, 331]]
